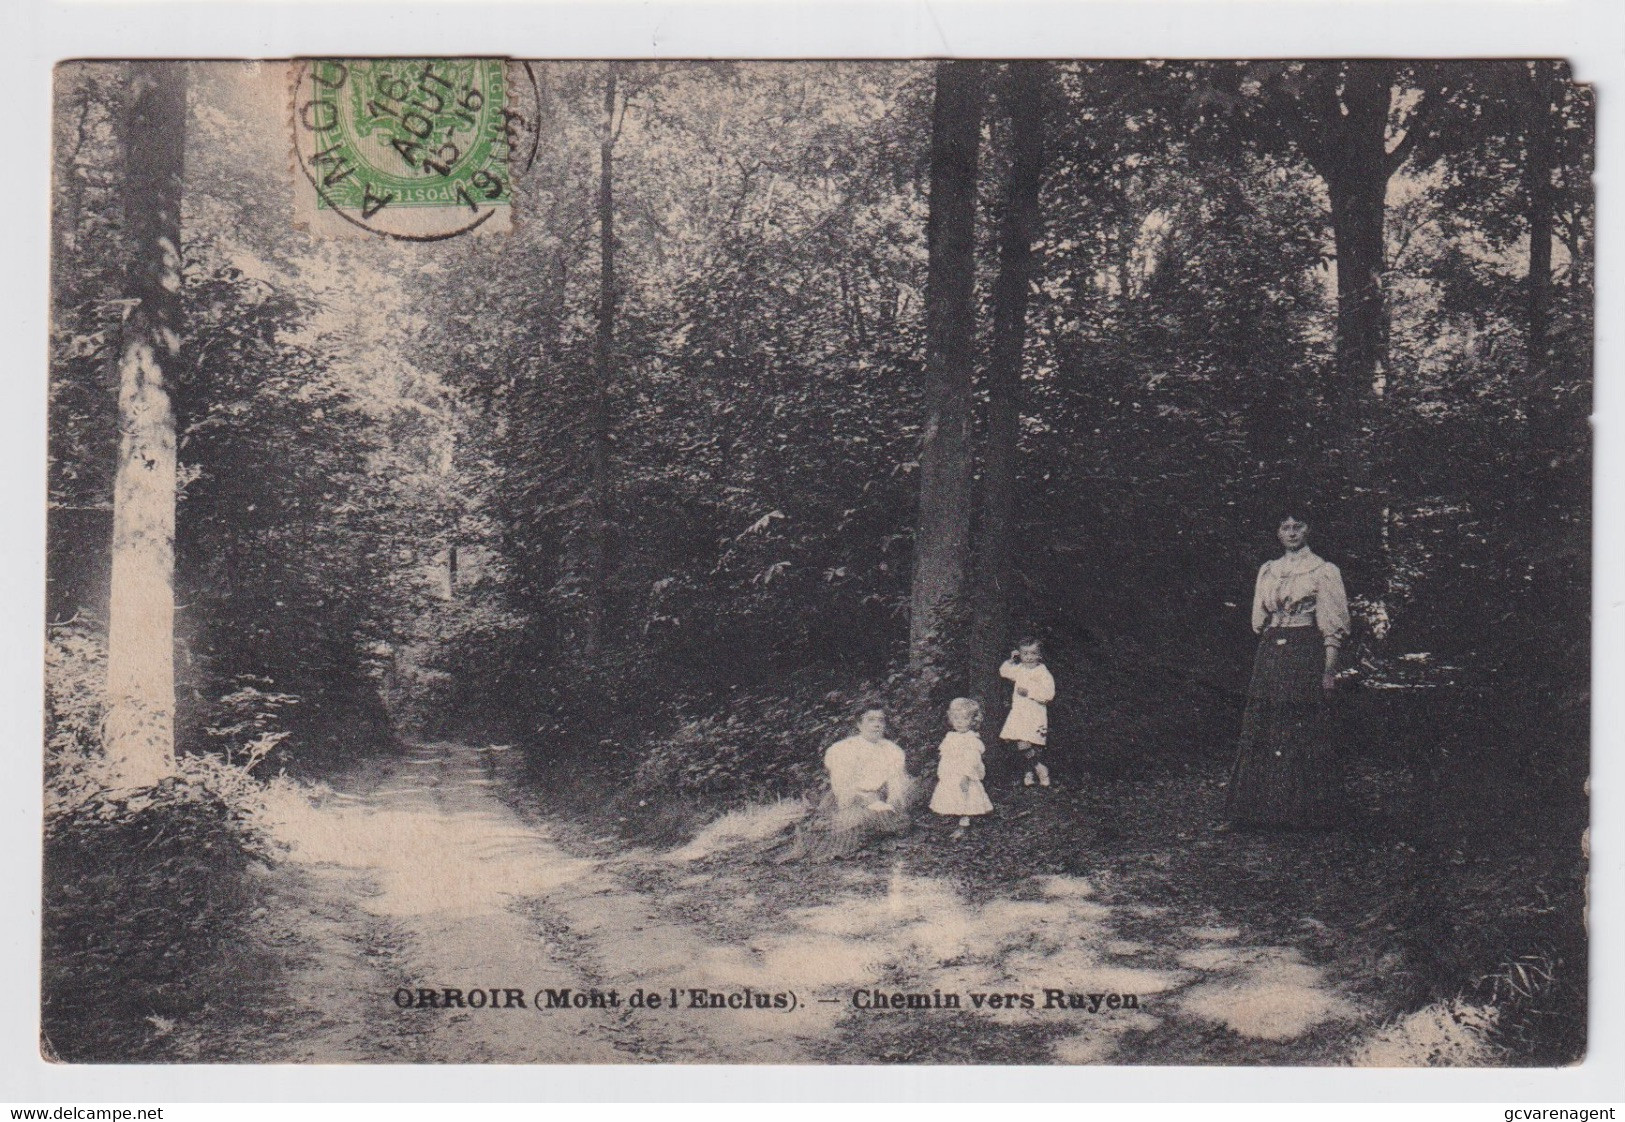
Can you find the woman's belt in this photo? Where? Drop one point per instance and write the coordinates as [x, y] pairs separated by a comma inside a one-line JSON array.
[[1282, 634], [1276, 620]]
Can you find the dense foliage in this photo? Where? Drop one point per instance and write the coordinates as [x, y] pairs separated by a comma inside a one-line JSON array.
[[145, 891], [420, 493]]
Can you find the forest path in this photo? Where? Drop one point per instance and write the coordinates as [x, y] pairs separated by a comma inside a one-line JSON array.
[[415, 873]]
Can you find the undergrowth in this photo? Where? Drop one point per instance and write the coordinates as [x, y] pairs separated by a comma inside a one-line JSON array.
[[145, 890]]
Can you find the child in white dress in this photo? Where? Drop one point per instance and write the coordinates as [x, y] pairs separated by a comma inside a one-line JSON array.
[[960, 771], [1028, 723]]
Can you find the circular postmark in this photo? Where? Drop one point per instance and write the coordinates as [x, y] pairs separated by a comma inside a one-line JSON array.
[[414, 149]]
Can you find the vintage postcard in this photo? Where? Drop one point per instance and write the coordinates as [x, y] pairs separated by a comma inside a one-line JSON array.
[[917, 562]]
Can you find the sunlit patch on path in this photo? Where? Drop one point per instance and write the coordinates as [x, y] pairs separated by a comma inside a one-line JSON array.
[[435, 845], [450, 886], [1267, 993]]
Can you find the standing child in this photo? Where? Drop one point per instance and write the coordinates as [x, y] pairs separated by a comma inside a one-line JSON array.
[[1028, 723], [960, 771]]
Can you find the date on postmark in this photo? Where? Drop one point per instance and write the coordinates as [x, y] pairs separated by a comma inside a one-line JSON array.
[[413, 149]]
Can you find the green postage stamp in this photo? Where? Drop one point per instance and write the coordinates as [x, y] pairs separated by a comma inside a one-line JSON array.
[[410, 148]]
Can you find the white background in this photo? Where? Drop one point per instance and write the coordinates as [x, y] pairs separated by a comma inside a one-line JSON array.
[[37, 33]]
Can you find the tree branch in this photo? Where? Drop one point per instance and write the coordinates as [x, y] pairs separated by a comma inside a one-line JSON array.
[[1415, 126]]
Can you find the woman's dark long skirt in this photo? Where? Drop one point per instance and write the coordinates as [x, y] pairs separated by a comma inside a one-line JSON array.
[[1288, 772]]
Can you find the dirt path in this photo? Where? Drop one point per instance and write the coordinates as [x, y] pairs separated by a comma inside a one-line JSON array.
[[414, 874]]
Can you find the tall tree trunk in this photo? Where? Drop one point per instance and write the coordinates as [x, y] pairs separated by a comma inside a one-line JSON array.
[[140, 727], [1355, 163], [1024, 97], [1357, 182], [596, 551], [942, 534], [1362, 322], [1539, 201]]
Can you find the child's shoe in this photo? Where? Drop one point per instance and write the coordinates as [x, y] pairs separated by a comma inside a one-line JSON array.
[[1043, 774], [1027, 780]]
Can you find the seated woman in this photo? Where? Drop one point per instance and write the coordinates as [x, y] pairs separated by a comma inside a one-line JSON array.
[[867, 797]]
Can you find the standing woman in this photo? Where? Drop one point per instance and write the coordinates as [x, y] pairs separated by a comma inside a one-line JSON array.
[[1288, 772]]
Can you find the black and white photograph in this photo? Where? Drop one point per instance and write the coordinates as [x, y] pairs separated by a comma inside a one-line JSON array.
[[935, 562]]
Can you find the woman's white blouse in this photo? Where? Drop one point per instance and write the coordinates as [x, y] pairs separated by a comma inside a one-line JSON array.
[[1297, 590], [860, 768]]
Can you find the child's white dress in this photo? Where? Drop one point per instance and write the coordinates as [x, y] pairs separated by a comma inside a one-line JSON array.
[[959, 776], [1029, 716]]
